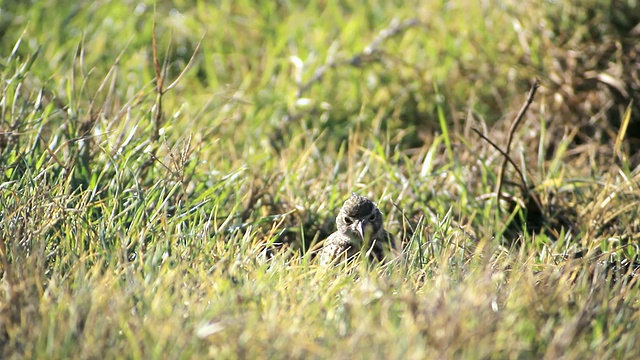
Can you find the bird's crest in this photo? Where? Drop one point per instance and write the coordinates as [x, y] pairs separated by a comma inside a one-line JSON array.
[[358, 206]]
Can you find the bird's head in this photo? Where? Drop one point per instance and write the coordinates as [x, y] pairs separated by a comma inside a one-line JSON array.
[[359, 218]]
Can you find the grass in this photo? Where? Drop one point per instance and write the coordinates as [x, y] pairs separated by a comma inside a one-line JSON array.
[[166, 169]]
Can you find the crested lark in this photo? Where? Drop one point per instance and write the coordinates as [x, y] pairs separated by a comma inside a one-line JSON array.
[[359, 229]]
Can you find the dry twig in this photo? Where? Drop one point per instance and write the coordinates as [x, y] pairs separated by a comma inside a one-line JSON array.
[[512, 130]]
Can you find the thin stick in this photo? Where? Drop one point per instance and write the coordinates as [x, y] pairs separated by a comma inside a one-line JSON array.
[[512, 130], [523, 186]]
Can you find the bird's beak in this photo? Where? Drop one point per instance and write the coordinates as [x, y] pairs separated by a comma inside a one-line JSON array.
[[360, 227]]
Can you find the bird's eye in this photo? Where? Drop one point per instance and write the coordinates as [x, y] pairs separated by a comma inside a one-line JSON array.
[[348, 220], [373, 216]]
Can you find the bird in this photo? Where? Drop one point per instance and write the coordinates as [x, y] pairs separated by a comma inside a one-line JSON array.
[[360, 229]]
